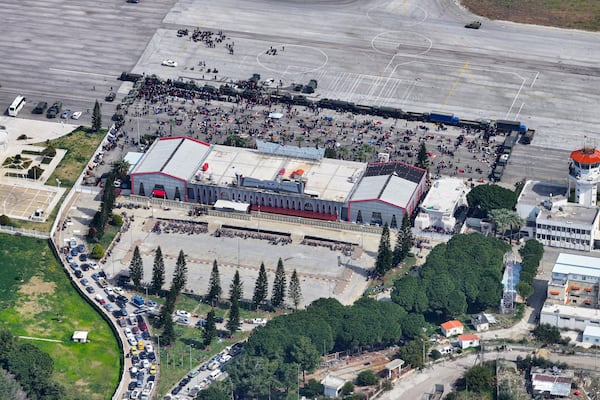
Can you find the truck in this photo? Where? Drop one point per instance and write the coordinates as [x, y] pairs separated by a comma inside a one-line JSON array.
[[137, 301], [510, 126], [527, 136], [446, 118]]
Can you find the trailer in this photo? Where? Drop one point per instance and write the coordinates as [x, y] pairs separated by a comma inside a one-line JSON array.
[[503, 125], [445, 118]]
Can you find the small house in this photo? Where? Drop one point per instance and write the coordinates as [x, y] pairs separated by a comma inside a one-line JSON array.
[[80, 336], [452, 328], [591, 334], [468, 340], [332, 385], [480, 322]]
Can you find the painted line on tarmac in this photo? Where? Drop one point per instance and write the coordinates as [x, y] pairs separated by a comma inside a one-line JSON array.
[[69, 71]]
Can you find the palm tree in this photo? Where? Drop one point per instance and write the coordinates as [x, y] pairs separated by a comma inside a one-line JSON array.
[[299, 139], [121, 168], [504, 219], [317, 141]]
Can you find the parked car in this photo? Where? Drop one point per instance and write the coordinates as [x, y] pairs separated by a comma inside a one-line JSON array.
[[65, 113], [90, 289], [183, 321], [40, 108], [182, 313], [76, 115], [84, 281], [110, 96]]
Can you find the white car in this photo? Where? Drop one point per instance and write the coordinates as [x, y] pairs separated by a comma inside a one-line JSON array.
[[127, 332], [183, 313], [149, 348], [132, 341], [118, 290], [169, 63], [76, 115]]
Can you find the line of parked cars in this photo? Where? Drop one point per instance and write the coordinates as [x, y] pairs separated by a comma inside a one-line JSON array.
[[54, 110]]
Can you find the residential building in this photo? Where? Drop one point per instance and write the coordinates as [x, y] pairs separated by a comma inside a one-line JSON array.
[[468, 340], [552, 383], [452, 328], [481, 322]]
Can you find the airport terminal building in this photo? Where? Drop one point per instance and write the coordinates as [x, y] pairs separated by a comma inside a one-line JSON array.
[[279, 179]]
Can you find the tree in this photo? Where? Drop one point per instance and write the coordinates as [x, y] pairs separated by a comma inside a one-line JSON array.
[[347, 388], [35, 172], [524, 289], [485, 198], [168, 335], [234, 140], [504, 219], [383, 263], [404, 241], [278, 294], [422, 157], [547, 333], [120, 168], [295, 291], [236, 290], [210, 328], [412, 353], [213, 393], [97, 252], [367, 378], [179, 274], [136, 267], [312, 389], [233, 322], [214, 285], [261, 288], [96, 118], [158, 272], [306, 355], [479, 379]]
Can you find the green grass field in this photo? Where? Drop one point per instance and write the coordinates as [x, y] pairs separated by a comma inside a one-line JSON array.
[[576, 14], [37, 300]]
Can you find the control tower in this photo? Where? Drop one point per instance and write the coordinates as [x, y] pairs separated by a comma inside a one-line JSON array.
[[584, 173]]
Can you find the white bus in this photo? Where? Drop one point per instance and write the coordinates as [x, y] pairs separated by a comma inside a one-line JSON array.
[[16, 106]]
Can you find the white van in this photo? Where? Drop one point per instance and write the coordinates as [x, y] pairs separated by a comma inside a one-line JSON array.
[[215, 374]]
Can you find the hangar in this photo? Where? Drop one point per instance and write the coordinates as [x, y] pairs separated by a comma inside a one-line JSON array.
[[279, 179]]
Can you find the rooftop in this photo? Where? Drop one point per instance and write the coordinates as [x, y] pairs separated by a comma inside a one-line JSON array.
[[444, 194], [575, 264], [403, 170], [177, 156], [388, 188], [568, 214], [468, 336], [571, 311], [592, 331], [536, 192], [451, 324], [586, 155], [329, 179]]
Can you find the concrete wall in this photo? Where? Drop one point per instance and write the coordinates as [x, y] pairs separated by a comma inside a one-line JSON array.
[[367, 208]]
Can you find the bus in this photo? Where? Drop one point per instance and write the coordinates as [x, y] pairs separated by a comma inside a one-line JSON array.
[[16, 106]]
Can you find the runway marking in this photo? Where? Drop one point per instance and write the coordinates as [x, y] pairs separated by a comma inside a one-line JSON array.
[[515, 99], [462, 70], [80, 72], [398, 43], [354, 86], [534, 79], [290, 46], [519, 112]]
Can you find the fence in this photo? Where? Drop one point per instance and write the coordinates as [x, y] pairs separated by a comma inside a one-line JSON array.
[[24, 232]]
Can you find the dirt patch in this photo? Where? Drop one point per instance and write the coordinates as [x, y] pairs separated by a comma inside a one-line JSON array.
[[576, 14], [34, 290], [81, 382], [36, 286]]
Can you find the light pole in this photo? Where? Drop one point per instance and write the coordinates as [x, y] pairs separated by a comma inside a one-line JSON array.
[[190, 357], [158, 348]]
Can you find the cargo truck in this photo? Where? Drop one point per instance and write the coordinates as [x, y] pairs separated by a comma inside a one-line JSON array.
[[445, 118], [510, 126]]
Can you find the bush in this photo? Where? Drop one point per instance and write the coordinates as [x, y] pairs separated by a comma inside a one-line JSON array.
[[387, 385], [547, 333], [116, 220], [49, 151], [4, 220], [312, 389], [97, 252], [367, 378], [347, 388], [435, 355], [34, 172]]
